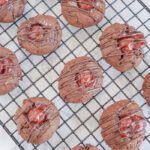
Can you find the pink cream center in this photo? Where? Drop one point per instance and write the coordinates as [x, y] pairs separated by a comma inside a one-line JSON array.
[[36, 32], [132, 42], [4, 65], [84, 78], [37, 115], [2, 2], [85, 4], [133, 124]]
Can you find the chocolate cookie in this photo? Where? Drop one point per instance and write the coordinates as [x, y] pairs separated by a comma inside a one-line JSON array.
[[123, 125], [86, 147], [11, 9], [80, 80], [122, 45], [146, 88], [83, 13], [40, 35], [37, 120], [10, 71]]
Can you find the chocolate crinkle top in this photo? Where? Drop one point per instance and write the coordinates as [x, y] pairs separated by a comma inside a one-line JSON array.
[[37, 120], [11, 9], [146, 88], [123, 125], [83, 13], [122, 45], [86, 147], [80, 80], [40, 34]]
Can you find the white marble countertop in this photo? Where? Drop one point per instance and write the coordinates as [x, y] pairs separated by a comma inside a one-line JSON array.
[[6, 142]]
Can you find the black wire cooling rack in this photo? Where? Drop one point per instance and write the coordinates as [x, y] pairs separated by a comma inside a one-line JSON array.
[[79, 122]]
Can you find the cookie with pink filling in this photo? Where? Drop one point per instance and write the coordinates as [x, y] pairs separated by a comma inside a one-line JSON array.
[[86, 147], [146, 88], [10, 71], [80, 80], [37, 120], [122, 46], [11, 9], [123, 125], [40, 35], [83, 13]]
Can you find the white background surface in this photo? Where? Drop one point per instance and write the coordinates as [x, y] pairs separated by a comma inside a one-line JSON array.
[[147, 2], [7, 144]]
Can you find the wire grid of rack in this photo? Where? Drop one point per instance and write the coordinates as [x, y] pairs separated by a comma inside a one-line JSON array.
[[79, 122]]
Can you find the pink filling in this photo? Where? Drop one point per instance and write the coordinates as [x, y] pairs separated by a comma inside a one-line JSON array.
[[36, 32], [85, 4], [4, 65], [85, 79], [131, 42], [2, 2], [133, 124], [37, 115]]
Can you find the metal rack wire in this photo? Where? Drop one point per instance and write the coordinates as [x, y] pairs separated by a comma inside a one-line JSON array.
[[79, 123]]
